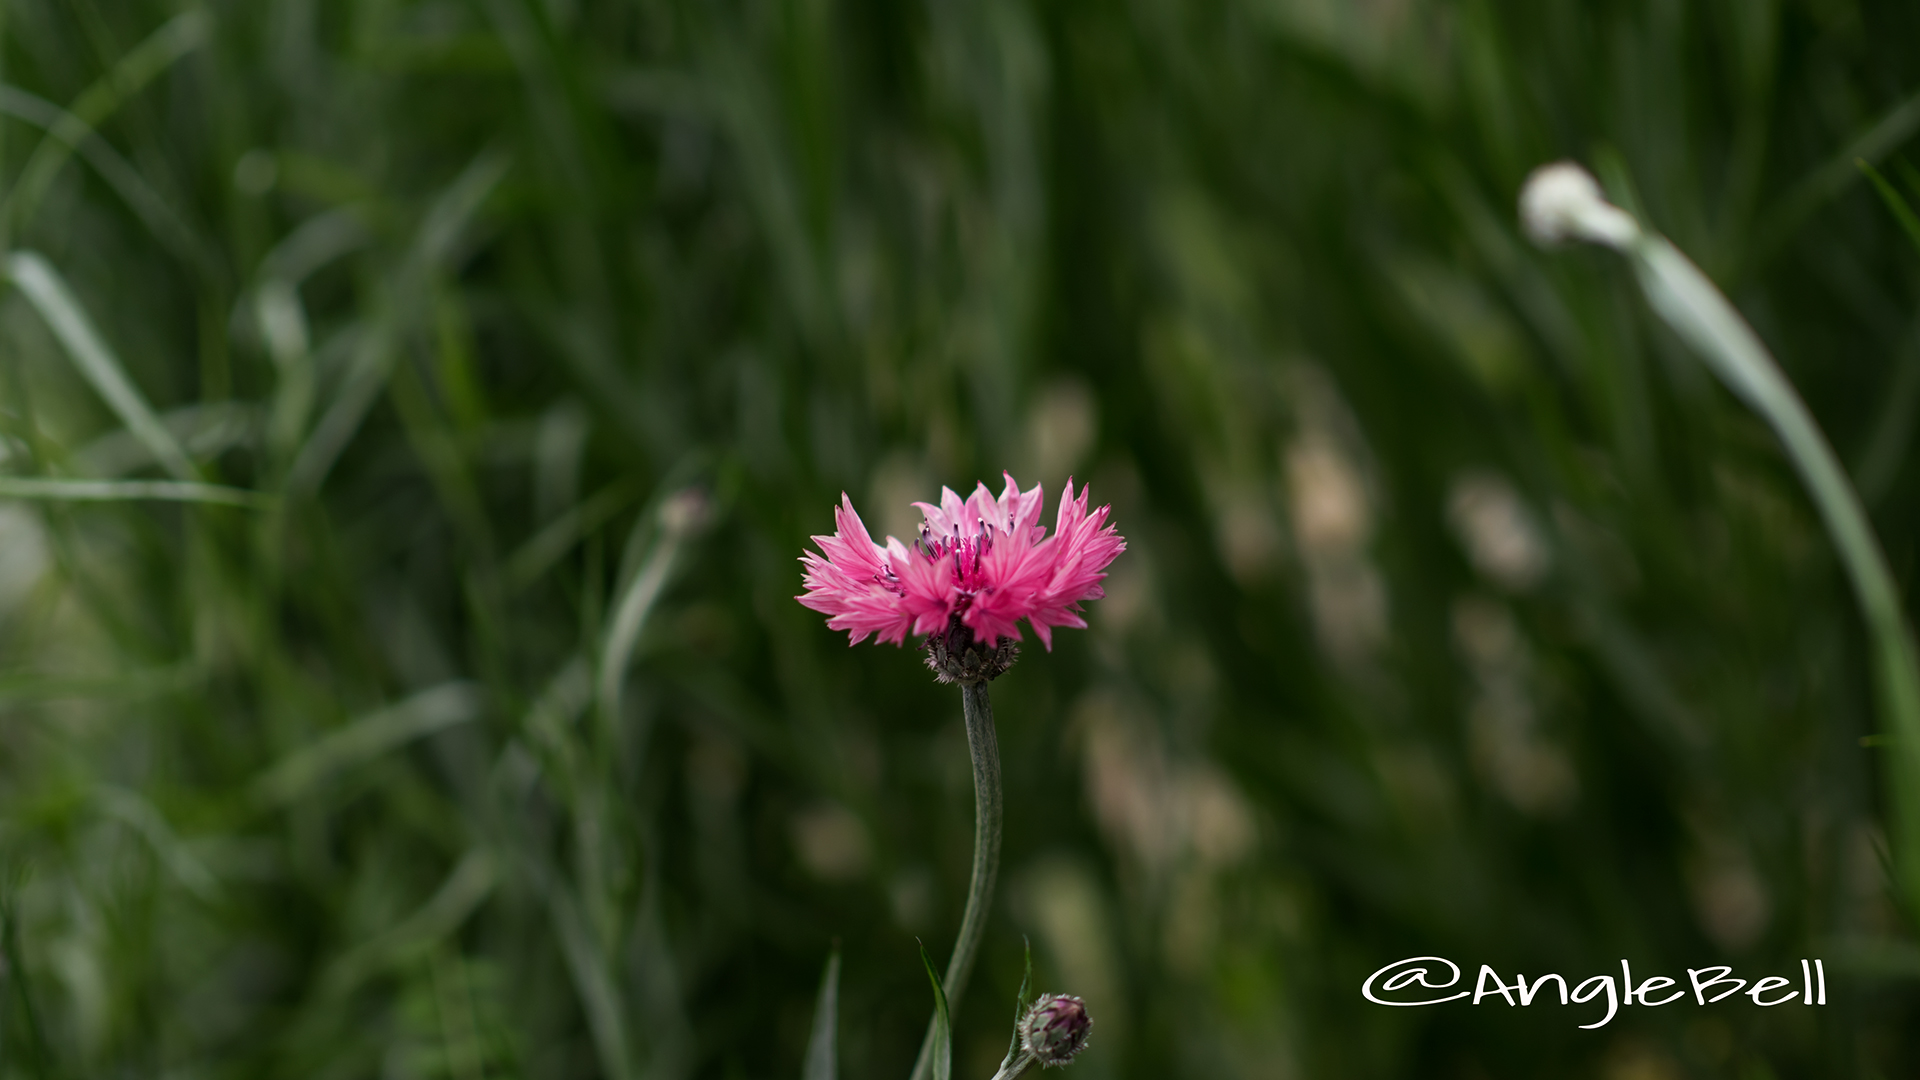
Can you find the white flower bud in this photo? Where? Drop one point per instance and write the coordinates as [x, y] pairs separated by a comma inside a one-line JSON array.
[[1562, 202]]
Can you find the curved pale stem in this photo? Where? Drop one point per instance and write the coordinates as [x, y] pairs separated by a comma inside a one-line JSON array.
[[1695, 308], [985, 749], [1563, 202]]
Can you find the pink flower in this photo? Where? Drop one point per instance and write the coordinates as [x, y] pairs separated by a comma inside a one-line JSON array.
[[987, 561]]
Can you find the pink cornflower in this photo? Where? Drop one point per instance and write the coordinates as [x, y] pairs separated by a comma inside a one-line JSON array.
[[984, 562]]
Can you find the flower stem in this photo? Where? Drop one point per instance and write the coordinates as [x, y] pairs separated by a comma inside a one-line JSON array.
[[985, 749], [1010, 1070]]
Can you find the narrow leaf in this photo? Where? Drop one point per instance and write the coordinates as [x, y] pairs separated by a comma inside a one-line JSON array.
[[822, 1054], [677, 517], [551, 543], [28, 686], [600, 995], [283, 323], [44, 288], [46, 490], [942, 1024], [1908, 175], [424, 713], [40, 1050], [174, 39], [133, 809], [447, 219], [374, 353], [470, 882], [1019, 1008], [1895, 203], [205, 430], [1026, 981], [161, 219], [1778, 224]]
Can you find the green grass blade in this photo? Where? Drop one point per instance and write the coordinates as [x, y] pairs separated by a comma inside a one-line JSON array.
[[426, 712], [160, 219], [1026, 981], [44, 490], [466, 887], [1895, 202], [551, 543], [283, 323], [165, 46], [676, 519], [822, 1056], [206, 431], [1908, 175], [48, 292], [1780, 223], [446, 220], [373, 355], [600, 998], [19, 981], [144, 818], [317, 241], [17, 687], [942, 1023]]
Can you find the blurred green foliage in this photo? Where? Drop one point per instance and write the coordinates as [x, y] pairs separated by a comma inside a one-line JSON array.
[[1463, 613]]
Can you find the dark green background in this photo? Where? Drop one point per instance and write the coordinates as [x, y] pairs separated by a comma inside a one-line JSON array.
[[1463, 613]]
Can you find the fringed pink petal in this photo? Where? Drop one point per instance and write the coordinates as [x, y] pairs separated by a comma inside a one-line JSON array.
[[985, 558], [928, 592]]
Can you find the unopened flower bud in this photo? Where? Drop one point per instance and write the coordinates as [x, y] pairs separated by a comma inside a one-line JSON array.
[[1055, 1029]]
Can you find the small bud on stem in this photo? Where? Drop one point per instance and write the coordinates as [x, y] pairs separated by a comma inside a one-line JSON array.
[[1056, 1028], [1051, 1033]]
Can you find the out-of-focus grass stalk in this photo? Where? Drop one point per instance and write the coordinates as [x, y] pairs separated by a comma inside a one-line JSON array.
[[38, 1050], [145, 61], [586, 918], [1562, 202], [679, 518], [134, 190], [43, 287], [429, 711], [43, 490]]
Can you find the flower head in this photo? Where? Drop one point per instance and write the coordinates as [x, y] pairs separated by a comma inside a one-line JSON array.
[[977, 568], [1562, 202], [1055, 1029]]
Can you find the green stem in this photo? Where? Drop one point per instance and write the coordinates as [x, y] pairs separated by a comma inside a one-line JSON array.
[[985, 749], [40, 1053], [1011, 1070]]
